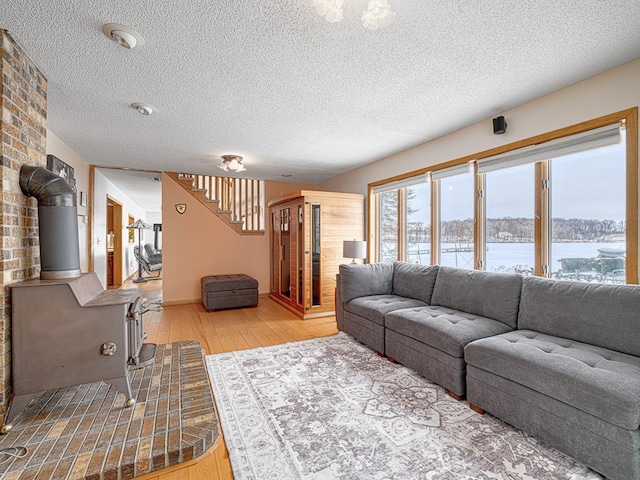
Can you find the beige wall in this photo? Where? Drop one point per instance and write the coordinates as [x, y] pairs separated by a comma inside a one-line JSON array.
[[102, 187], [612, 91], [197, 243]]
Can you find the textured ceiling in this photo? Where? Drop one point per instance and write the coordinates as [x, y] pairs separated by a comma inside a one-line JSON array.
[[141, 187], [272, 81]]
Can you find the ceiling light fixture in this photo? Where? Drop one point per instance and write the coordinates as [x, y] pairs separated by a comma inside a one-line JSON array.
[[377, 15], [232, 163], [124, 36], [143, 108], [331, 10]]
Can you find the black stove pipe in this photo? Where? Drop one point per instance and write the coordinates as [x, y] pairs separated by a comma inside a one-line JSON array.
[[58, 220]]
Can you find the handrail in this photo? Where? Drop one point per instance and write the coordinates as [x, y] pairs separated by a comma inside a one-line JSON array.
[[242, 198]]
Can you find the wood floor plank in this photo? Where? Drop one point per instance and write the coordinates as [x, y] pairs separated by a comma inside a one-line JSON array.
[[224, 331], [223, 463]]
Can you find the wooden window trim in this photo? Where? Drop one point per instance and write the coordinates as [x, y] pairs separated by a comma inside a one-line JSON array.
[[628, 117], [480, 218]]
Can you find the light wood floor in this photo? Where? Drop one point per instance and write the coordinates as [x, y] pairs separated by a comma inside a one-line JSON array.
[[237, 329]]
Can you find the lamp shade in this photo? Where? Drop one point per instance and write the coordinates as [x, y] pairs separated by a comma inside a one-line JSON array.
[[140, 225], [354, 249]]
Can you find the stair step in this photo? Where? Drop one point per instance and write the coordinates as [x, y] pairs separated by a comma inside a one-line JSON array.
[[189, 183]]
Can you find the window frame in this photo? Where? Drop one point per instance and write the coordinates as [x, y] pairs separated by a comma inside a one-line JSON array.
[[628, 118]]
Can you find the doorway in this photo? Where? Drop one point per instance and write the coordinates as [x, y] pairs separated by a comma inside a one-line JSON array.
[[114, 243]]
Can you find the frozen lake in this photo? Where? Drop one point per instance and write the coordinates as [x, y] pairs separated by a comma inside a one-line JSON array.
[[506, 256]]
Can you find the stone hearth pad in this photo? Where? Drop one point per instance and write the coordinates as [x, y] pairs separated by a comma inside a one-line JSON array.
[[85, 432]]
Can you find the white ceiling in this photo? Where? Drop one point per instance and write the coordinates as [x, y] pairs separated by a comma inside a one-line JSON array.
[[272, 81], [141, 187]]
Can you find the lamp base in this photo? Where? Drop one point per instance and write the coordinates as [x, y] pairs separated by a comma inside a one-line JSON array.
[[353, 261]]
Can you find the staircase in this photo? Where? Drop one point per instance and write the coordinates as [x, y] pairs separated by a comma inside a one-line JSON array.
[[238, 202]]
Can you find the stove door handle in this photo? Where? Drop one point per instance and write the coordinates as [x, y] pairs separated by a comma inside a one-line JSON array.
[[108, 349]]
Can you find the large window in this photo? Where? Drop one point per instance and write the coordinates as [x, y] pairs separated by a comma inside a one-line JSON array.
[[588, 207], [564, 206], [388, 226], [509, 211], [456, 221], [403, 220], [418, 224]]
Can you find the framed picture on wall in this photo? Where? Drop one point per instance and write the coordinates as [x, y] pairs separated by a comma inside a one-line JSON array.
[[132, 232], [61, 169]]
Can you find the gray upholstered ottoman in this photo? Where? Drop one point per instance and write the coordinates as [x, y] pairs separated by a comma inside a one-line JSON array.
[[229, 291]]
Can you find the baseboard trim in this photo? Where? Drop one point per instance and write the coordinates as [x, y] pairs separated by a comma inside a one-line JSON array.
[[180, 302]]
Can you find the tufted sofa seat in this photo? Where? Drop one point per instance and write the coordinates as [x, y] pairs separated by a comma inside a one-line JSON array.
[[465, 305], [376, 307], [570, 374], [431, 341]]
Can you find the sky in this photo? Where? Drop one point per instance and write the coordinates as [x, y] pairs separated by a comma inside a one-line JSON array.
[[583, 185]]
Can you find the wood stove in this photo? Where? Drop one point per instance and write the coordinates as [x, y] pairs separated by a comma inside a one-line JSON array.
[[66, 329], [71, 331]]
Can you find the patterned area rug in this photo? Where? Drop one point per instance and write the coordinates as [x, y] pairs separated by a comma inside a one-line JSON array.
[[329, 408]]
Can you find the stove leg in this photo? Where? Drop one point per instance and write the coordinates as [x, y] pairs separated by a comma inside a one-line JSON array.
[[123, 386], [16, 406]]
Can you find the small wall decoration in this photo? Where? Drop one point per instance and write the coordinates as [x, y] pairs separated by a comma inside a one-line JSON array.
[[132, 232], [181, 208], [61, 169]]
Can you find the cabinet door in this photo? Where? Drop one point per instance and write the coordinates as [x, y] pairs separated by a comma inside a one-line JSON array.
[[300, 249], [285, 252], [275, 251], [316, 255]]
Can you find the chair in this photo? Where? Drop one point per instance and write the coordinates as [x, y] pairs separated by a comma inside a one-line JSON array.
[[580, 268], [153, 255], [147, 266]]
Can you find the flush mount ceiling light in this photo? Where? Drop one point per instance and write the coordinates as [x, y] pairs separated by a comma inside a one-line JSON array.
[[331, 10], [232, 163], [124, 36], [377, 15], [143, 108]]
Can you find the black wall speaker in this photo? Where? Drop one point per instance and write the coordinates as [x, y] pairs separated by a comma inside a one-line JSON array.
[[499, 125]]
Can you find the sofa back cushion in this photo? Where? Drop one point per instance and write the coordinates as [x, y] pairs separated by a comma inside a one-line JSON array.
[[488, 294], [602, 315], [414, 281], [364, 280]]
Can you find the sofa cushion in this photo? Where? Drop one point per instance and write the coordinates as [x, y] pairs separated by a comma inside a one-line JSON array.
[[364, 280], [414, 280], [375, 307], [487, 294], [443, 328], [596, 380], [602, 315]]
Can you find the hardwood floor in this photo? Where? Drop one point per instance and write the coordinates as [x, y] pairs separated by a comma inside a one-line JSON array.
[[223, 331]]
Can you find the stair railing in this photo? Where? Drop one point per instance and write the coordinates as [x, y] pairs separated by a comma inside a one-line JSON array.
[[241, 198]]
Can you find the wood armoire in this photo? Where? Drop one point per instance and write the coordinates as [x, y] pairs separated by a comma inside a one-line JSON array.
[[307, 231]]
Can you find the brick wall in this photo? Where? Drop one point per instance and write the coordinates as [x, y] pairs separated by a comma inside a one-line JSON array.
[[23, 123]]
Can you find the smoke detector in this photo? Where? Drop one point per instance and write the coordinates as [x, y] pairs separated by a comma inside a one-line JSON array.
[[124, 36], [143, 108]]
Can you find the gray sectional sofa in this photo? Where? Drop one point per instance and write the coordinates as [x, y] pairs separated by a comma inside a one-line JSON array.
[[560, 360]]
